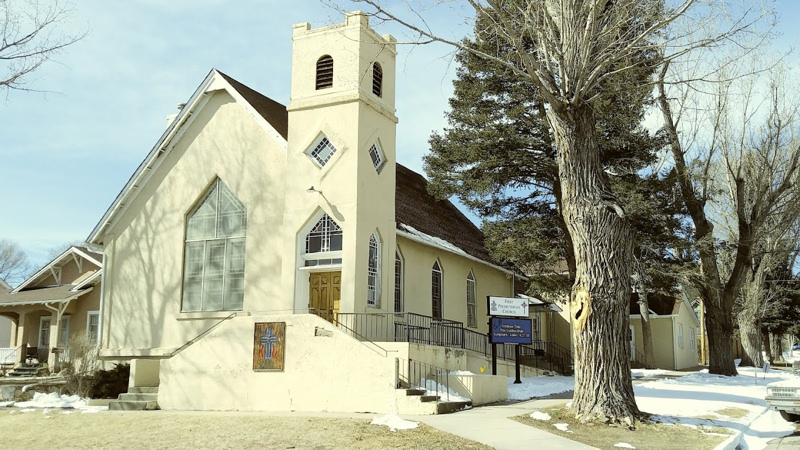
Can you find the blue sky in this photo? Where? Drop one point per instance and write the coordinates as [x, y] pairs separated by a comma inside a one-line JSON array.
[[67, 153]]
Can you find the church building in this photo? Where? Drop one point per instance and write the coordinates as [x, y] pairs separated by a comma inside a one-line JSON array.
[[271, 257]]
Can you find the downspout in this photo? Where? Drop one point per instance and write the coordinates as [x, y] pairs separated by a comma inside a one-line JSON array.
[[104, 263], [101, 319]]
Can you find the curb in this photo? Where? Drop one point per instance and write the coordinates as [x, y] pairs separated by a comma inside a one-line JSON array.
[[733, 442]]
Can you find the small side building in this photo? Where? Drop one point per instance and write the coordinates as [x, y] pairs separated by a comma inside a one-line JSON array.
[[59, 302], [674, 327]]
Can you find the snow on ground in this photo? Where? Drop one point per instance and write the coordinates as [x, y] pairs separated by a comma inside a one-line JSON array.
[[693, 400], [539, 387], [446, 394], [56, 401], [394, 422]]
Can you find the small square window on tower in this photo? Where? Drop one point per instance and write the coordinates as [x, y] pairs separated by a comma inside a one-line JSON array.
[[321, 151], [376, 154]]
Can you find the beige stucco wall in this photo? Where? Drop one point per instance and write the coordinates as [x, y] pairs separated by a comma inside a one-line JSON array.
[[354, 195], [144, 262], [418, 260], [324, 371]]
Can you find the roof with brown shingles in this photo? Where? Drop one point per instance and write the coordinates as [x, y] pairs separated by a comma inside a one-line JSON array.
[[414, 206], [274, 112]]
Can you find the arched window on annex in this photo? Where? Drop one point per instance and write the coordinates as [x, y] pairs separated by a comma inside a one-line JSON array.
[[377, 79], [472, 302], [214, 252], [324, 72], [436, 290], [374, 271], [398, 281]]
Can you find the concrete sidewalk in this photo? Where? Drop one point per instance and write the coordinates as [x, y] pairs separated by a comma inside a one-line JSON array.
[[492, 426]]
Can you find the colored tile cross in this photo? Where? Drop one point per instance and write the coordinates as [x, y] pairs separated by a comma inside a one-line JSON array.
[[268, 340]]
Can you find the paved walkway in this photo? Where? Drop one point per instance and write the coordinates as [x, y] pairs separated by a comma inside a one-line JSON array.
[[491, 425]]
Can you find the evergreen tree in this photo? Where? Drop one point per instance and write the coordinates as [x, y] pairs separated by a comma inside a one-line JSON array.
[[498, 158]]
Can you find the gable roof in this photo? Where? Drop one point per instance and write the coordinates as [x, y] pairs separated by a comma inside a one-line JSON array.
[[54, 294], [70, 254], [420, 214], [272, 111], [269, 114]]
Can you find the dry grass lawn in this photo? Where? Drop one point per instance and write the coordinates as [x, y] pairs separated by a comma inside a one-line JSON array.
[[186, 429], [647, 435]]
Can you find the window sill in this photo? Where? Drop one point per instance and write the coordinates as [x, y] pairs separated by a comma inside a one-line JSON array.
[[201, 315]]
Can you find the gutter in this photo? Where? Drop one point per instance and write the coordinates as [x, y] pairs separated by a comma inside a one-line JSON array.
[[464, 254]]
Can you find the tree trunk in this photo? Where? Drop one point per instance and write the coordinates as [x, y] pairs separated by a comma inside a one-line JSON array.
[[647, 335], [603, 246], [767, 346], [719, 326], [750, 334]]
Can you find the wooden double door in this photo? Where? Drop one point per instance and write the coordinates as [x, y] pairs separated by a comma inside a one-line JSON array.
[[324, 294]]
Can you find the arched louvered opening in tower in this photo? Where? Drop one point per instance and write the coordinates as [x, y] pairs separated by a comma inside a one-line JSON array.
[[325, 72], [377, 79]]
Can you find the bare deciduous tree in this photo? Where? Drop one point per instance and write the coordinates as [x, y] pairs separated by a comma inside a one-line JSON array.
[[29, 37], [761, 195], [736, 166], [572, 50], [14, 265]]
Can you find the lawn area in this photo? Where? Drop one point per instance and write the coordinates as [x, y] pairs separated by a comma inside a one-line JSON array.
[[192, 429], [645, 434]]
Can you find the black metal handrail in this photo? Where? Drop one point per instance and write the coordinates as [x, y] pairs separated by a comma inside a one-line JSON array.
[[420, 329]]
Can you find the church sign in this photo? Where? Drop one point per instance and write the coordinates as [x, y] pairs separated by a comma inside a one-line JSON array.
[[507, 306], [510, 331], [269, 343]]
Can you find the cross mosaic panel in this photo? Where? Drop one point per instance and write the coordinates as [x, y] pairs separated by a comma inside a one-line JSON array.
[[269, 343]]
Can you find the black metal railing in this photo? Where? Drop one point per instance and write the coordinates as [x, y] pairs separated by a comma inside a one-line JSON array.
[[420, 329], [410, 374]]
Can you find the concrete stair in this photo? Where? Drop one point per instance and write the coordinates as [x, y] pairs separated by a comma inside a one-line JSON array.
[[25, 370], [430, 404], [136, 399]]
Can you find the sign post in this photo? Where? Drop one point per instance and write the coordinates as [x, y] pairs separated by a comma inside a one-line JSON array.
[[506, 327]]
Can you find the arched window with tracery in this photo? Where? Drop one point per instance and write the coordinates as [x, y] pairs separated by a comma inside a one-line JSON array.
[[214, 252]]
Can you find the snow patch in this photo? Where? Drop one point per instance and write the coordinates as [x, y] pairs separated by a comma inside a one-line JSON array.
[[539, 387], [623, 445], [56, 401], [538, 415], [563, 427], [394, 422]]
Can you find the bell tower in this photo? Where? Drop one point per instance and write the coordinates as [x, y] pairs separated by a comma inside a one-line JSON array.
[[341, 141]]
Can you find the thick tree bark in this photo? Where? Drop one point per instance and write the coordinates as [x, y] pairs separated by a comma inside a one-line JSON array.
[[603, 245], [647, 335]]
